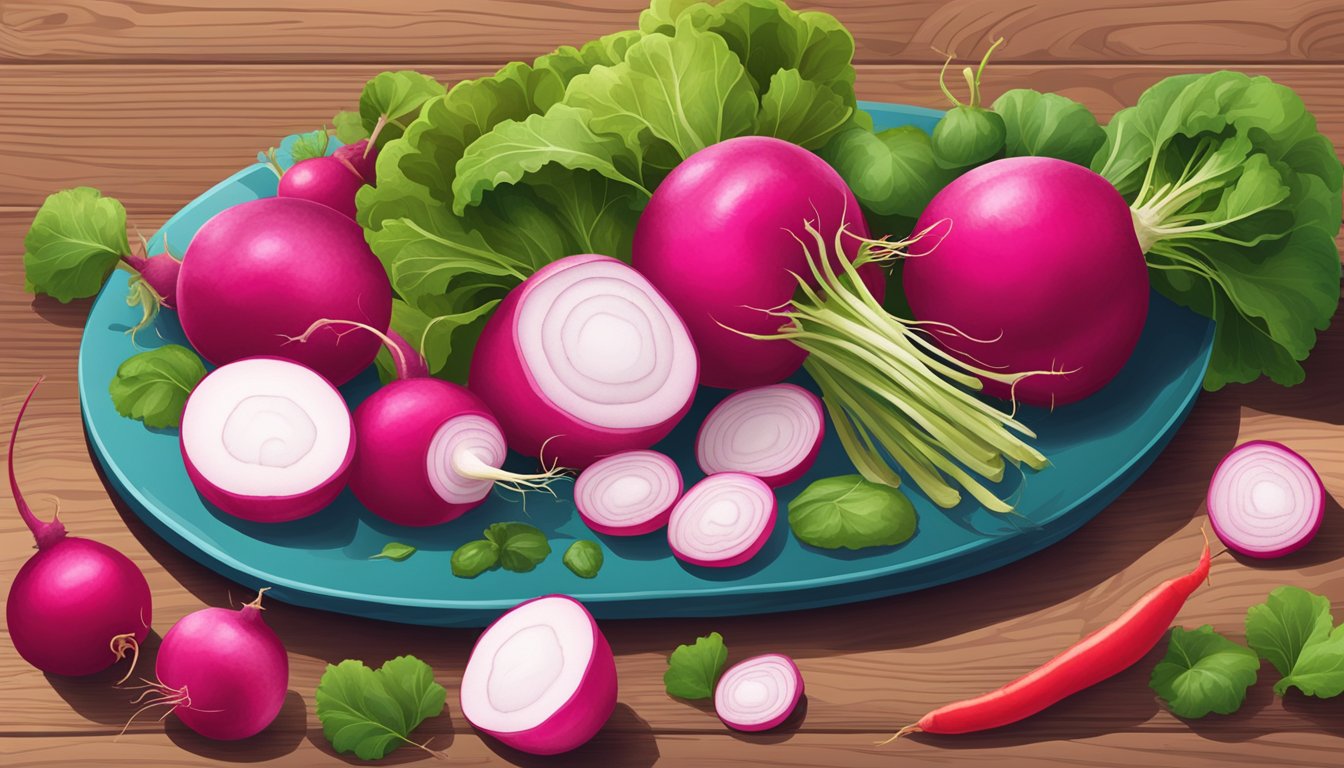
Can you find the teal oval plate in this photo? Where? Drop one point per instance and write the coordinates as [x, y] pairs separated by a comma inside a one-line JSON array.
[[1097, 447]]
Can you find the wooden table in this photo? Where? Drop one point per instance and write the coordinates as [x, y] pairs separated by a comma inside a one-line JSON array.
[[154, 101]]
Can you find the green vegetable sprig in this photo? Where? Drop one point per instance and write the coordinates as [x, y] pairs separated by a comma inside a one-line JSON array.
[[517, 547], [584, 558], [852, 513], [693, 670], [373, 712], [153, 385]]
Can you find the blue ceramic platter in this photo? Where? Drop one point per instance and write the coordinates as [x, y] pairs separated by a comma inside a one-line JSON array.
[[1097, 447]]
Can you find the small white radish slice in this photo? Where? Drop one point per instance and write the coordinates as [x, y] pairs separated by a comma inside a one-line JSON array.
[[722, 521], [541, 679], [628, 494], [1265, 500], [772, 432], [267, 439], [759, 693]]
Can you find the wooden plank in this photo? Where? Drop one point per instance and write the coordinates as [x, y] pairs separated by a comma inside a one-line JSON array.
[[71, 125], [421, 33]]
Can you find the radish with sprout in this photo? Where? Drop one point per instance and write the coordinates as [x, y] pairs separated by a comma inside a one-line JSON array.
[[332, 180], [628, 494], [267, 439], [722, 521], [542, 678], [76, 606], [759, 693], [1265, 500], [772, 432], [586, 358]]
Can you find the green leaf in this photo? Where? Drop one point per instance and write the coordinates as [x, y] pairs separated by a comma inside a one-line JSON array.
[[584, 558], [607, 51], [661, 15], [968, 136], [892, 173], [801, 111], [309, 145], [1319, 670], [153, 386], [1204, 672], [349, 127], [693, 670], [1289, 620], [373, 712], [1048, 125], [392, 99], [443, 340], [74, 243], [853, 513], [394, 550], [474, 558], [522, 547]]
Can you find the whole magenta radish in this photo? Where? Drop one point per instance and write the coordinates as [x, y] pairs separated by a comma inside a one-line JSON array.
[[362, 157], [326, 180]]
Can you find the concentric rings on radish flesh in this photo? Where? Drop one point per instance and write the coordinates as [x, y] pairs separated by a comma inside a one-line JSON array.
[[629, 493], [471, 435], [772, 432], [1265, 500], [759, 693], [722, 520]]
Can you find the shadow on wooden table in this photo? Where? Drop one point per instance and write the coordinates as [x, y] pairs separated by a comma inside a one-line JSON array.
[[280, 738], [72, 315], [1317, 398], [626, 741], [97, 697]]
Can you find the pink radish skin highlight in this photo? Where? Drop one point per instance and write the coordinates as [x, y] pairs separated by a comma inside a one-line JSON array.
[[362, 158], [628, 494], [1265, 500], [549, 641], [76, 606], [719, 240], [722, 521], [326, 180], [615, 372], [759, 693], [160, 273], [773, 432]]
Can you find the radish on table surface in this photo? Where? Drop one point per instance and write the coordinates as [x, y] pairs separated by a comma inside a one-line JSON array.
[[759, 693], [723, 520], [628, 494], [76, 606], [1265, 500], [773, 432]]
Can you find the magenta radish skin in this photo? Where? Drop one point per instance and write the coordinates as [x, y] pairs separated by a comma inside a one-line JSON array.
[[773, 432], [635, 387], [361, 157], [248, 480], [1265, 500], [718, 240], [73, 597], [1041, 269], [697, 538], [325, 180], [781, 680], [578, 702], [628, 494], [269, 267], [230, 669], [160, 272]]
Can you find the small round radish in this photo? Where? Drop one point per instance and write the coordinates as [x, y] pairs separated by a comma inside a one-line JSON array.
[[267, 439], [1265, 500], [266, 267], [362, 157], [159, 273], [585, 358], [723, 520], [541, 678], [759, 693], [76, 606], [325, 180], [772, 432], [628, 494]]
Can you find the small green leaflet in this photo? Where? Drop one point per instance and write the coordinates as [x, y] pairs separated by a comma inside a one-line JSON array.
[[373, 712], [801, 111], [153, 386], [521, 547], [1048, 125], [392, 99], [1288, 621], [584, 558], [693, 670], [395, 550], [1204, 672], [968, 136], [349, 127], [853, 513], [310, 145], [474, 558], [76, 240]]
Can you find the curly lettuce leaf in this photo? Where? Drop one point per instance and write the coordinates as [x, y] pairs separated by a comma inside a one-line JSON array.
[[77, 238], [1048, 125], [391, 100], [801, 111]]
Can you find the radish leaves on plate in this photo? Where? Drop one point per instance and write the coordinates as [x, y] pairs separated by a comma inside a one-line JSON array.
[[77, 238], [372, 712], [1048, 125], [693, 670], [395, 551], [1204, 672], [584, 558], [474, 558], [853, 513], [153, 386]]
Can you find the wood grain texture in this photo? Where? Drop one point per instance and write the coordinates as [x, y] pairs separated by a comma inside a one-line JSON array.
[[420, 32]]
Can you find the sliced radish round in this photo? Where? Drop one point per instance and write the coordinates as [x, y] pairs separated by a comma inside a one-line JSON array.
[[628, 494], [722, 520], [1265, 500], [267, 439], [759, 693], [772, 432], [541, 679], [585, 359]]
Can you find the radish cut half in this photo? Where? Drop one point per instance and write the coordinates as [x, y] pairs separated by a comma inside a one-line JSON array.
[[267, 439], [1265, 500], [629, 493], [541, 679], [772, 432], [759, 693], [723, 520]]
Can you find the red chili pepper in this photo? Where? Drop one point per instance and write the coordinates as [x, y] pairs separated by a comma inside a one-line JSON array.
[[1102, 654]]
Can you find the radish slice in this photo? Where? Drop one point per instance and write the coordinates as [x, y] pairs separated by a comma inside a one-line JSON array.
[[267, 439], [772, 432], [584, 359], [629, 493], [1265, 500], [541, 679], [759, 693], [723, 520]]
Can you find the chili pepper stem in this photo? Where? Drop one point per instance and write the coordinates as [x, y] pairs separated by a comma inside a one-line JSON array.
[[913, 728]]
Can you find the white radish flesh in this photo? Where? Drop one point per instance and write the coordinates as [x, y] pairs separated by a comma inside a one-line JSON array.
[[758, 694], [772, 432], [722, 521], [629, 493], [1265, 500]]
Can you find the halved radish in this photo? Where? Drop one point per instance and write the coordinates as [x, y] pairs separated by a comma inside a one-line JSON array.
[[585, 359], [759, 693], [772, 432], [628, 494], [541, 678], [1265, 500], [723, 520], [267, 439]]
